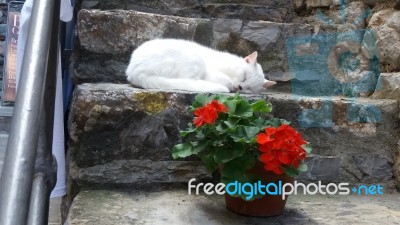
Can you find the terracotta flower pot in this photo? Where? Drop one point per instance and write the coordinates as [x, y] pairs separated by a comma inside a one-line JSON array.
[[269, 205]]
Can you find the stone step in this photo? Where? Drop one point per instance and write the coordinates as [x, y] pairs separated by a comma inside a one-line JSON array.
[[6, 113], [121, 136], [103, 207], [3, 145], [104, 52], [268, 10], [307, 55]]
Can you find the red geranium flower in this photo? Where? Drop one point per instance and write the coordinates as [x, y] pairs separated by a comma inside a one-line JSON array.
[[263, 139], [281, 146], [218, 106], [208, 114], [275, 167]]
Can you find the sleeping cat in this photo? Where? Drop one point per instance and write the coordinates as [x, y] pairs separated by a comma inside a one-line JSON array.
[[173, 64]]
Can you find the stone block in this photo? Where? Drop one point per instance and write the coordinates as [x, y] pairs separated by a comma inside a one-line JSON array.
[[177, 207], [121, 137], [272, 10], [374, 168], [386, 24], [322, 168], [120, 134], [396, 168], [107, 39], [388, 86], [319, 3]]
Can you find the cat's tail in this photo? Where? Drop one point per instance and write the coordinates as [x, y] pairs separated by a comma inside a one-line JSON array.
[[163, 83]]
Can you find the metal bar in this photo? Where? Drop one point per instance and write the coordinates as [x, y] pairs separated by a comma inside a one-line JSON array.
[[17, 176], [46, 165], [39, 207]]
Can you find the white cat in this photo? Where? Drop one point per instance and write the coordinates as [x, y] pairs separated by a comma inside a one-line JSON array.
[[173, 64]]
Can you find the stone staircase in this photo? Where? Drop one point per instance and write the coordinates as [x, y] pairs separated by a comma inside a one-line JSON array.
[[119, 161], [5, 122]]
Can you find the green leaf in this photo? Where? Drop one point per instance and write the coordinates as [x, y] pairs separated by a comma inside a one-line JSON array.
[[231, 104], [189, 130], [244, 109], [199, 146], [261, 123], [201, 100], [290, 171], [261, 106], [235, 170], [245, 134], [222, 98], [239, 108], [208, 160], [225, 154], [274, 122], [182, 150], [303, 167], [200, 135], [246, 160], [227, 126], [231, 122], [307, 147]]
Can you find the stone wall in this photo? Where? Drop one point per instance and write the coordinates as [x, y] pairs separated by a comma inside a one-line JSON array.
[[268, 10], [321, 47], [123, 136], [303, 51], [107, 39]]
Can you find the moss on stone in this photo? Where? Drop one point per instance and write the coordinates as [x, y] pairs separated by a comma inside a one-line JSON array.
[[97, 108], [151, 102]]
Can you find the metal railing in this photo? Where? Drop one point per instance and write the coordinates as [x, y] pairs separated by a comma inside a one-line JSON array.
[[29, 170]]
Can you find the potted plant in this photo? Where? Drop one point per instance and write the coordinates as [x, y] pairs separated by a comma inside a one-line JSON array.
[[247, 145]]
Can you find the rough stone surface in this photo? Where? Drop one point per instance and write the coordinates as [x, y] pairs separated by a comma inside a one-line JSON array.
[[355, 16], [120, 172], [386, 24], [273, 10], [377, 2], [318, 3], [388, 86], [98, 31], [396, 169], [333, 55], [329, 123], [113, 127], [132, 123], [122, 137], [177, 207], [374, 168], [321, 168], [299, 5], [378, 19], [107, 38]]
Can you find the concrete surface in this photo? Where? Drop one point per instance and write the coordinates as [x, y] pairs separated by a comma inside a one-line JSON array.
[[54, 211], [177, 207], [3, 145]]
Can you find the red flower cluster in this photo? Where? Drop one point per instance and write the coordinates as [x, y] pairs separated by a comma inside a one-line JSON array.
[[281, 146], [208, 113]]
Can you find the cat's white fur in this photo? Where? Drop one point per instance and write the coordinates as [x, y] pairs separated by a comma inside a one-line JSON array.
[[173, 64]]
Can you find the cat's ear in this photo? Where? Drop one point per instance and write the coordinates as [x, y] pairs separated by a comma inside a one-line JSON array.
[[268, 83], [252, 58]]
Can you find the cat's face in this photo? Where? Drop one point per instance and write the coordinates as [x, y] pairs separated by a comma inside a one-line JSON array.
[[253, 80]]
